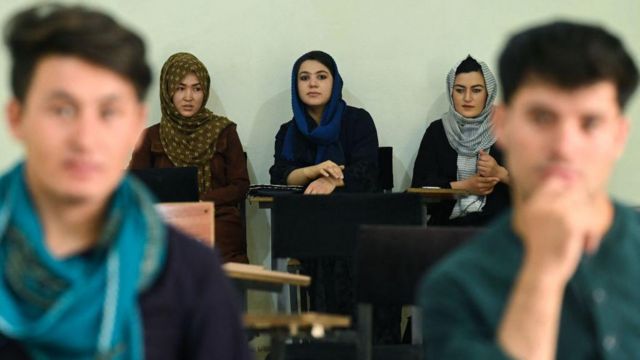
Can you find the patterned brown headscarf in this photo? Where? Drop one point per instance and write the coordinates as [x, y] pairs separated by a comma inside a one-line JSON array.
[[188, 141]]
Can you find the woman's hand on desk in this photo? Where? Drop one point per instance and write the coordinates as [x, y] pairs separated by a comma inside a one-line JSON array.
[[305, 175], [324, 169], [489, 167], [476, 185], [323, 186]]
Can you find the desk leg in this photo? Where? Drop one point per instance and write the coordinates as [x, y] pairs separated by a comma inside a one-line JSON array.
[[242, 291], [284, 298], [365, 331], [278, 346], [416, 325]]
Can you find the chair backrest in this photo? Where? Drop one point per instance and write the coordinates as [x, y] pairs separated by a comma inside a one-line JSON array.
[[326, 226], [385, 168], [391, 260], [193, 218]]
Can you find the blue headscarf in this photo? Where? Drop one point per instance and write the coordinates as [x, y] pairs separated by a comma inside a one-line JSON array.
[[326, 134], [85, 306]]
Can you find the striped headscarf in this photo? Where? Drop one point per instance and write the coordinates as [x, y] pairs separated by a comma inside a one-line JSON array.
[[188, 141], [467, 136]]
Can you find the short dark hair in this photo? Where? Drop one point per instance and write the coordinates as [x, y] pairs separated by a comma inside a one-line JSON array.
[[568, 55], [468, 65], [317, 55], [95, 37]]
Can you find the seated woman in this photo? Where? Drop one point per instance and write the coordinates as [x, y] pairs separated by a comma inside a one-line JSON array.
[[327, 144], [189, 134], [458, 151]]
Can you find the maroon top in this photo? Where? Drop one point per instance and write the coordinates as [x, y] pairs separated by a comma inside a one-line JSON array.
[[229, 180]]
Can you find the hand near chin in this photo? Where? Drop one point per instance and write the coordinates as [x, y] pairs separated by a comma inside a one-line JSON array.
[[321, 186], [556, 227]]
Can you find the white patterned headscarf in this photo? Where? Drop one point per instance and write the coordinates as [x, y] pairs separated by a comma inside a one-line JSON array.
[[467, 136]]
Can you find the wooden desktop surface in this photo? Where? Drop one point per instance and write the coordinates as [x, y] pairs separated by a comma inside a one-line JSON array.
[[304, 320], [438, 192], [263, 201], [193, 218], [257, 273]]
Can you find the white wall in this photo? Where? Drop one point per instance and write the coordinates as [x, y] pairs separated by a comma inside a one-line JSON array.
[[393, 57]]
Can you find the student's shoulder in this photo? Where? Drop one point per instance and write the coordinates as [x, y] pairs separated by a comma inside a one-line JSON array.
[[6, 180], [626, 213], [435, 131], [4, 186], [183, 246], [356, 112], [153, 129], [192, 274], [152, 133], [191, 308], [357, 119], [435, 125], [284, 126], [191, 263]]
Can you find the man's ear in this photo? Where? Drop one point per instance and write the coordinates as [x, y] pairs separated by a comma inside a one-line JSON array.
[[498, 119], [141, 124], [622, 135], [14, 117]]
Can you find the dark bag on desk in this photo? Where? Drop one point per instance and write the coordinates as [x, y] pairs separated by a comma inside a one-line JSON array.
[[274, 190]]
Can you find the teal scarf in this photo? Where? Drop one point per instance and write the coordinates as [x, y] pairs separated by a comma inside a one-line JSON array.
[[85, 306]]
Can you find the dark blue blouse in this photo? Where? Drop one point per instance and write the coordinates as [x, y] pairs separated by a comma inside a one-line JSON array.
[[359, 141]]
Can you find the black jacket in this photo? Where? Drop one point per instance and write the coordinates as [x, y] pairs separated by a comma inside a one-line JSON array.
[[359, 141], [190, 312], [436, 165]]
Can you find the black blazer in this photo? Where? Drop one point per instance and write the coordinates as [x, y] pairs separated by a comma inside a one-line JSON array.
[[359, 141]]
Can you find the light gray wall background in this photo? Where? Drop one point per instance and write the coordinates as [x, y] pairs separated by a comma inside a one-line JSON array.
[[393, 57]]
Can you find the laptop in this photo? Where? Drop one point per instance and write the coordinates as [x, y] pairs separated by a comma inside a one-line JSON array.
[[178, 184]]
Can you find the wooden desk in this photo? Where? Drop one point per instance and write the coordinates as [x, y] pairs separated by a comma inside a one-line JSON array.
[[194, 218], [282, 327], [254, 277], [264, 202], [262, 279], [294, 322], [438, 194]]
